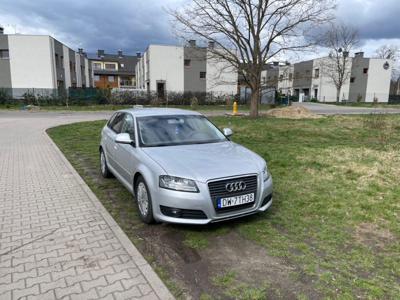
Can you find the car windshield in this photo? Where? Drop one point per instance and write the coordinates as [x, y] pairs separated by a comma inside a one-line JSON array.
[[157, 131]]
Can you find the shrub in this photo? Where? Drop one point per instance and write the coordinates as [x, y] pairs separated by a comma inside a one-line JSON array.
[[4, 95]]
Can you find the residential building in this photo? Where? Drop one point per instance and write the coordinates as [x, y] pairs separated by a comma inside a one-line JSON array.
[[368, 79], [40, 64], [180, 69], [114, 70]]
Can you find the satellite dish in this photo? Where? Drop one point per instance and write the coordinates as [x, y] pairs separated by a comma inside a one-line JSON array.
[[386, 66]]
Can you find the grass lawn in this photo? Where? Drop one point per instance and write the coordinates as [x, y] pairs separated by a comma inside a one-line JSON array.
[[333, 231]]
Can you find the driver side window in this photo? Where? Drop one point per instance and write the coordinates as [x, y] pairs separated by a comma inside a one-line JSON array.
[[128, 126]]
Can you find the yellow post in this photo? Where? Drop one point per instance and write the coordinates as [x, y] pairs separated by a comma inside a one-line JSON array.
[[235, 108]]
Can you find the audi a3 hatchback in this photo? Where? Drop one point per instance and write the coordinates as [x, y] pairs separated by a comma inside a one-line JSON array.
[[181, 168]]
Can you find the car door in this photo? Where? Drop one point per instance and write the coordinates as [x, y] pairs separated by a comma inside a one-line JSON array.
[[126, 155], [113, 128]]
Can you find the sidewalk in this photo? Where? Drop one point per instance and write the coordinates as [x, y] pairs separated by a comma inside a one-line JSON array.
[[56, 239]]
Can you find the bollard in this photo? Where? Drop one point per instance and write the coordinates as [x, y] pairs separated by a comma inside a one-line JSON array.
[[235, 108]]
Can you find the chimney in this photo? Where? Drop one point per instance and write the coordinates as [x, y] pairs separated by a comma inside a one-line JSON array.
[[276, 63], [120, 54], [192, 43], [287, 63], [80, 51], [138, 54], [1, 30], [100, 53], [346, 54], [359, 54], [211, 44]]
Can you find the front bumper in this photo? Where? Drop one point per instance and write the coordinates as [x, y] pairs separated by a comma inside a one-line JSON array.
[[202, 202]]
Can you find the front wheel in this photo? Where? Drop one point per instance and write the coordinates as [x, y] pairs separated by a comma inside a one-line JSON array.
[[143, 200], [105, 172]]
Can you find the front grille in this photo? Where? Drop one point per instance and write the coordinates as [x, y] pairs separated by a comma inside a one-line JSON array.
[[217, 190]]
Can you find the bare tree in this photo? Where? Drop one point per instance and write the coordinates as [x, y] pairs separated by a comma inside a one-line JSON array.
[[249, 33], [340, 40], [391, 52]]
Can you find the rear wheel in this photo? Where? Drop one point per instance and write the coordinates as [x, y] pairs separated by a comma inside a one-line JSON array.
[[105, 172], [143, 200]]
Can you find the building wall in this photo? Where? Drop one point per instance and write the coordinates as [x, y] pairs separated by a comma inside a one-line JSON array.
[[324, 83], [31, 53], [378, 85], [166, 64], [67, 71], [192, 80], [5, 73], [221, 77]]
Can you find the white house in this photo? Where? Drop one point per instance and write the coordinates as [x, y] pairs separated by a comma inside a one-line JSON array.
[[40, 63], [180, 69]]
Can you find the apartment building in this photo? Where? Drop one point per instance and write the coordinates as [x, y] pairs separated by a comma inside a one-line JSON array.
[[114, 70], [368, 79], [180, 69], [41, 64]]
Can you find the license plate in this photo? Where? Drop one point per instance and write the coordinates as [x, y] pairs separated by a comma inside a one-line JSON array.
[[235, 201]]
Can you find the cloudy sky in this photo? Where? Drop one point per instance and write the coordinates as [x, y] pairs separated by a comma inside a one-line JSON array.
[[133, 24]]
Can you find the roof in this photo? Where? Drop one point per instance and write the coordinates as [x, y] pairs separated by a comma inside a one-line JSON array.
[[129, 62], [144, 112]]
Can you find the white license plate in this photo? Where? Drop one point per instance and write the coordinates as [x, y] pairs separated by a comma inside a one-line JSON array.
[[235, 201]]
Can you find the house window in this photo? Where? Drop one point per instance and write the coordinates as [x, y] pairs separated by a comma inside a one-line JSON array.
[[122, 66], [97, 66], [290, 76], [4, 54], [96, 77], [352, 79], [202, 75], [111, 79], [280, 77], [56, 59], [187, 62], [316, 73], [365, 71], [110, 66]]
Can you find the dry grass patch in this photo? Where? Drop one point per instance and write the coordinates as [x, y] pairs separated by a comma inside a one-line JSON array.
[[371, 235], [292, 112]]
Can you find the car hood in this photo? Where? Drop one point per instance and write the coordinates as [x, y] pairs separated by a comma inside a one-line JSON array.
[[203, 162]]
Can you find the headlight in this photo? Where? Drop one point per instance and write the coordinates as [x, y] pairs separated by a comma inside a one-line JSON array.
[[178, 184], [266, 174]]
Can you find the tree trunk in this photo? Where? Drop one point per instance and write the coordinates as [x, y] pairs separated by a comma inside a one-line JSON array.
[[337, 95], [255, 98]]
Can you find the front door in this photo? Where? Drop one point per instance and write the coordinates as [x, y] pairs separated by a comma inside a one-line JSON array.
[[161, 90], [125, 155]]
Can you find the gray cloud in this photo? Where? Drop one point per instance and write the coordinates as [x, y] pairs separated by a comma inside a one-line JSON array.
[[374, 19], [132, 25], [92, 24]]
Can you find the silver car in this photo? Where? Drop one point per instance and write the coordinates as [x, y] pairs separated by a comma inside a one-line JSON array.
[[181, 168]]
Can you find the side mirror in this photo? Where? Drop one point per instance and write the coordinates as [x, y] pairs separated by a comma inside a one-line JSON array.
[[227, 132], [124, 138]]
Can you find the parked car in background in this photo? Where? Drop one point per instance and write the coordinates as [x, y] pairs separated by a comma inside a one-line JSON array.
[[181, 168]]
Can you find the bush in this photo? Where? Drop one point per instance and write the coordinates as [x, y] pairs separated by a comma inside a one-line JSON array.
[[5, 95]]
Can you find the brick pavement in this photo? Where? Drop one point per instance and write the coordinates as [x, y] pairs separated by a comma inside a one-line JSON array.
[[56, 240]]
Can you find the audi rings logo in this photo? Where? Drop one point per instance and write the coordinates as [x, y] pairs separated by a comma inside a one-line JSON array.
[[235, 186]]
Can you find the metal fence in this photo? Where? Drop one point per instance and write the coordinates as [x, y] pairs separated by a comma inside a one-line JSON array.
[[91, 96]]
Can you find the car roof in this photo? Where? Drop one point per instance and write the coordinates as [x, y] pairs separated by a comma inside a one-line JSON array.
[[158, 111]]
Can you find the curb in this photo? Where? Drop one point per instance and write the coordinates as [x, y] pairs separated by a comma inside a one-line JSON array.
[[151, 276]]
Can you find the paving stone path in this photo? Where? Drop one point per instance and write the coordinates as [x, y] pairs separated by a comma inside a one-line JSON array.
[[56, 239]]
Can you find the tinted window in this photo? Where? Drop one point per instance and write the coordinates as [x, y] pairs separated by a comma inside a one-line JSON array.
[[111, 120], [116, 123], [156, 131], [128, 126]]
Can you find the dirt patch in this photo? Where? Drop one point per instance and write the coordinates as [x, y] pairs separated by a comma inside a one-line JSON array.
[[292, 112], [371, 235], [253, 266]]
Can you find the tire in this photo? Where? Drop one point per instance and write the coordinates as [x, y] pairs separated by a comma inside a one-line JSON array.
[[105, 171], [143, 201]]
